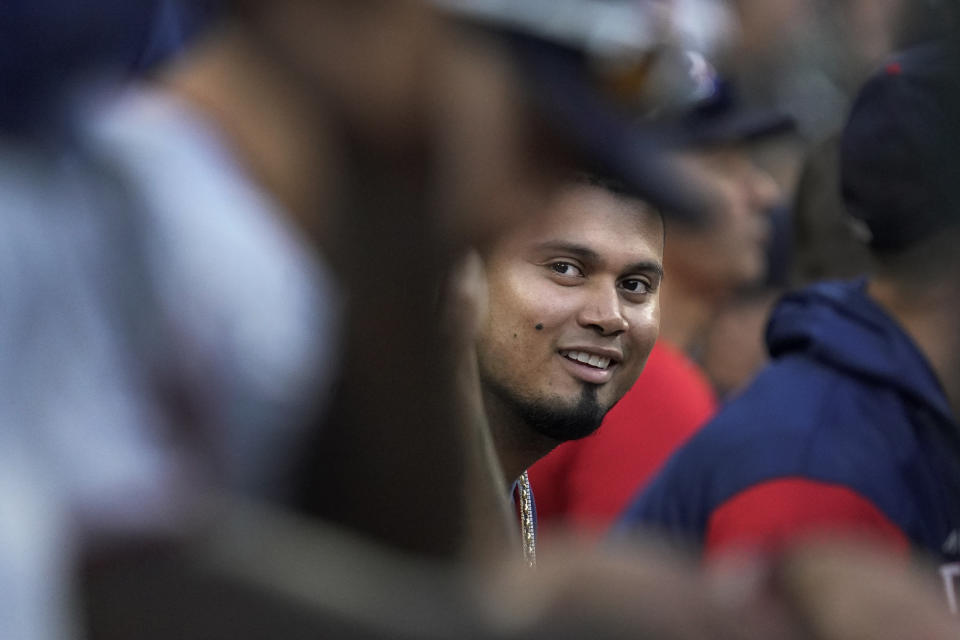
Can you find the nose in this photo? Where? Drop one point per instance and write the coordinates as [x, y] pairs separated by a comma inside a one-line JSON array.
[[762, 189], [603, 311]]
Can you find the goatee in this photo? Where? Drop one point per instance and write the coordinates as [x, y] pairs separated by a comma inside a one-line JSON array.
[[554, 419]]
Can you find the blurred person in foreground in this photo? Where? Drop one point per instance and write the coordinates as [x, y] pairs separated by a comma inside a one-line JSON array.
[[853, 427], [88, 452], [165, 326], [253, 306], [262, 136], [586, 484]]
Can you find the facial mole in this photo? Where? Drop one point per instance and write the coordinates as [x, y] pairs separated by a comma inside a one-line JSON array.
[[539, 327]]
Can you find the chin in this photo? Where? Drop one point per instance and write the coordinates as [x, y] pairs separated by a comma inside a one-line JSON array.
[[563, 418]]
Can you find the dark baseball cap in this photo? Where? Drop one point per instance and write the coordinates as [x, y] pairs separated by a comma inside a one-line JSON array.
[[900, 149], [605, 76], [724, 118]]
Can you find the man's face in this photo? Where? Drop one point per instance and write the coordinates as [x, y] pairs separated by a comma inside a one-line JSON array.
[[573, 310], [731, 252]]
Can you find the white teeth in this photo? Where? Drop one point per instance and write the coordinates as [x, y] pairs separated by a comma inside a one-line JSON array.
[[599, 362]]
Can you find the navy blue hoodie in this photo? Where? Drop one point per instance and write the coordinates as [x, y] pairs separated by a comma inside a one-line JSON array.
[[848, 406]]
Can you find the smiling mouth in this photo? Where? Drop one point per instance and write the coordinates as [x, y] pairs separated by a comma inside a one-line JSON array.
[[597, 362]]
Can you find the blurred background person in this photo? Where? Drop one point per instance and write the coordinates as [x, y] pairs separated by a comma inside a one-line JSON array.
[[808, 59], [852, 428], [732, 349], [810, 56]]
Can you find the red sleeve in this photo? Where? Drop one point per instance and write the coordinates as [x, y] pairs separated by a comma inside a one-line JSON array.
[[770, 515]]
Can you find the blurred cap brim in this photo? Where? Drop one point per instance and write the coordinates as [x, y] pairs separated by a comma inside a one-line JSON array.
[[736, 127], [560, 48], [607, 138]]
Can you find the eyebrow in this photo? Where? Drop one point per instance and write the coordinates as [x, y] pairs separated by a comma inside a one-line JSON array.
[[587, 254]]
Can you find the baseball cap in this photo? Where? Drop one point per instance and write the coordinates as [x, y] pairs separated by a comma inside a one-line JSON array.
[[724, 118], [899, 162], [604, 75]]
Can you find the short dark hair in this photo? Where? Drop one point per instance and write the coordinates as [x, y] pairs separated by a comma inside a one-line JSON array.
[[617, 188]]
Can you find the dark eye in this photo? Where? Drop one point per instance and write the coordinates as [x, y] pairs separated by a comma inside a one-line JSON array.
[[566, 269], [636, 285]]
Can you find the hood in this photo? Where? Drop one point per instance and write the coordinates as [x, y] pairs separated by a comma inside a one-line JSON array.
[[837, 324]]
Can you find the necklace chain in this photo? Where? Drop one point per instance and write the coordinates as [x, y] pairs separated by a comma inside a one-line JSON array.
[[527, 528]]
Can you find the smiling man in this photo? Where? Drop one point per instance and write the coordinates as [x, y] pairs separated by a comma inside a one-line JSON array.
[[573, 312]]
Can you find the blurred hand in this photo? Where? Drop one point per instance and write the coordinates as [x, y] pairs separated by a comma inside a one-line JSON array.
[[644, 592], [815, 592], [850, 591]]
